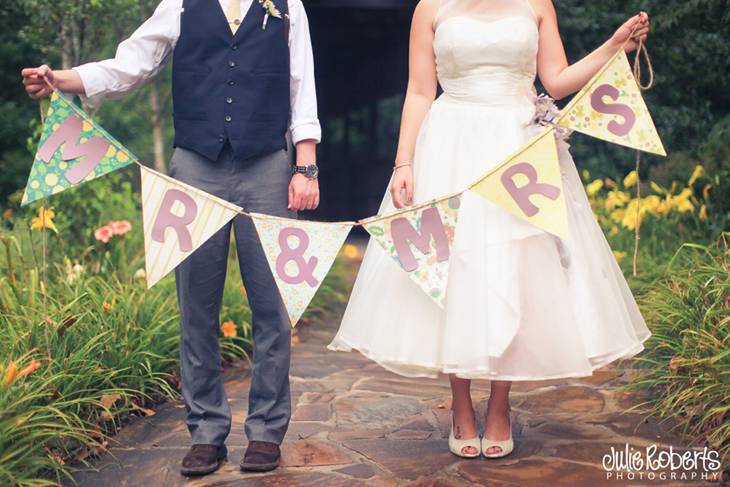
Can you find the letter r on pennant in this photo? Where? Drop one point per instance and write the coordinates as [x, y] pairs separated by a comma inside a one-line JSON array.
[[522, 195], [67, 135], [167, 219], [404, 234]]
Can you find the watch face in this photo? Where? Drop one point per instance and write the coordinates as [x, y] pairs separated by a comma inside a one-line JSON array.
[[312, 171]]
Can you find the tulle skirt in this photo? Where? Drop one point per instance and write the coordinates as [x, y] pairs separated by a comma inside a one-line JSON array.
[[520, 303]]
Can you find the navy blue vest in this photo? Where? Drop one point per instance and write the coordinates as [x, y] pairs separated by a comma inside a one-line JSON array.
[[229, 87]]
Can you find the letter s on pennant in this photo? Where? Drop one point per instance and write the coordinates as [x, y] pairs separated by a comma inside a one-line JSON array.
[[67, 135], [166, 218], [620, 109], [432, 227]]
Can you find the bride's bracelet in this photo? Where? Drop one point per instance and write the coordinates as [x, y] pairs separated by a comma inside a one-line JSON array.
[[404, 164]]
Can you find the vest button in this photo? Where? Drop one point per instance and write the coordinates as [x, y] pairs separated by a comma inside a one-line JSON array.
[[228, 118], [229, 100], [231, 82], [234, 47], [232, 64], [221, 139]]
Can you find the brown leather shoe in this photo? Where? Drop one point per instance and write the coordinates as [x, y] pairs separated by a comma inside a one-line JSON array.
[[203, 459], [261, 456]]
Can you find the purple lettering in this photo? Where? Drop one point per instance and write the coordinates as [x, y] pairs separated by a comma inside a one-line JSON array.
[[522, 195], [404, 234], [620, 109], [92, 150], [167, 219], [305, 267]]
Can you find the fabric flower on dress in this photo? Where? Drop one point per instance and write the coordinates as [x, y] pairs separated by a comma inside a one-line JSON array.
[[546, 113]]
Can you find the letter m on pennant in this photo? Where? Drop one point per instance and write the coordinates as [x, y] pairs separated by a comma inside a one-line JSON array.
[[403, 234], [66, 139]]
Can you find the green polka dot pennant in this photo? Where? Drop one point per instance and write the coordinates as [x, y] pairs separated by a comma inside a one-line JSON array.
[[72, 150]]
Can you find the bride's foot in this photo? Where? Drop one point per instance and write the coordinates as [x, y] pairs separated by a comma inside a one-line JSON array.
[[464, 438], [497, 440]]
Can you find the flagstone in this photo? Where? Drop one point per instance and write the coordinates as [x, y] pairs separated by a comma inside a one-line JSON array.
[[312, 453], [312, 412], [409, 435], [535, 472], [425, 389], [408, 459], [359, 471], [569, 398], [375, 411]]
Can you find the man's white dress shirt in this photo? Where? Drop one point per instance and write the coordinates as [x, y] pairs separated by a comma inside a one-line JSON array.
[[145, 53]]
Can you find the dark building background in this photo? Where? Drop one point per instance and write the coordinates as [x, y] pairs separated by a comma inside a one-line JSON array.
[[361, 59]]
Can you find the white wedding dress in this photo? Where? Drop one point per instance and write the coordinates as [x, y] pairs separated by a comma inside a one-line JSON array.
[[520, 303]]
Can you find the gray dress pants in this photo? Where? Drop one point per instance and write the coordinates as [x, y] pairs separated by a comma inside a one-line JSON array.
[[257, 185]]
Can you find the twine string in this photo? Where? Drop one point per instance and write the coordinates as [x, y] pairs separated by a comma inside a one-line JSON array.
[[640, 49]]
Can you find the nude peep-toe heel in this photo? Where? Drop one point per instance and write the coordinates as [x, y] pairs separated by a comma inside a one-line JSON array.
[[506, 445], [457, 446]]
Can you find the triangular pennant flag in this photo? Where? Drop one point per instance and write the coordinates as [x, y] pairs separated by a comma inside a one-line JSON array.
[[529, 185], [300, 254], [178, 219], [72, 150], [610, 107], [419, 240]]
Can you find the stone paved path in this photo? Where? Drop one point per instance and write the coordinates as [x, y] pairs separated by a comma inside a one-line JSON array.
[[355, 424]]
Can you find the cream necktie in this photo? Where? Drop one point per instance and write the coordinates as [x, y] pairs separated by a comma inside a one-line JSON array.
[[233, 14]]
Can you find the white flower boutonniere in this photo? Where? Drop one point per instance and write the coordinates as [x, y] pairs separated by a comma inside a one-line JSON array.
[[271, 11]]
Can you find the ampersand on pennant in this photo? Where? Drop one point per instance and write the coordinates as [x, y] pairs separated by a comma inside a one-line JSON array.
[[296, 255]]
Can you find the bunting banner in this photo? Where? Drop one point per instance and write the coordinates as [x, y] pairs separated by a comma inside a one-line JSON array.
[[300, 254], [72, 150], [419, 240], [177, 219], [529, 185], [610, 107]]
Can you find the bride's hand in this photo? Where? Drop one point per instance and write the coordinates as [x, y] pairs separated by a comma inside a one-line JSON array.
[[401, 186], [639, 26]]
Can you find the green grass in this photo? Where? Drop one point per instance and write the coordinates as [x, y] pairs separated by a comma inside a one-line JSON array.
[[687, 362]]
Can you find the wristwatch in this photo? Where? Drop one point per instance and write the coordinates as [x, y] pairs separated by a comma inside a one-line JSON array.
[[311, 171]]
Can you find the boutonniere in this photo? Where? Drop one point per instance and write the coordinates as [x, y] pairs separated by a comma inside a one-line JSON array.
[[271, 11]]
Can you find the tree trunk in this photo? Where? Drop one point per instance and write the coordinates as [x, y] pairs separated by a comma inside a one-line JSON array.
[[158, 127]]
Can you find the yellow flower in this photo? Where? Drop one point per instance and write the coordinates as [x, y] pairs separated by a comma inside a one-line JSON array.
[[652, 203], [10, 373], [619, 255], [631, 179], [34, 365], [682, 201], [593, 188], [586, 174], [698, 173], [351, 251], [657, 188], [615, 199], [613, 231], [44, 220], [229, 329], [703, 213]]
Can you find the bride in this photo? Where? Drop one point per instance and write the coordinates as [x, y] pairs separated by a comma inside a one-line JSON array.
[[520, 304]]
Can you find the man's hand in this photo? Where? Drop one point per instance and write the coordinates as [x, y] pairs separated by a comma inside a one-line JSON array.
[[35, 83], [303, 193]]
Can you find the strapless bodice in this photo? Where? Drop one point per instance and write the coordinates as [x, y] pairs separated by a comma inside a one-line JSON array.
[[487, 62]]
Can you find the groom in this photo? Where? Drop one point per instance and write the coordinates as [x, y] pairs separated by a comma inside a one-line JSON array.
[[242, 81]]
